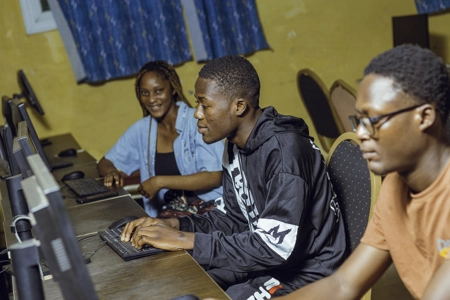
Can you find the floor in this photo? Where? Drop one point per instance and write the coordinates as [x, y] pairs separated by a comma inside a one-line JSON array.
[[390, 287]]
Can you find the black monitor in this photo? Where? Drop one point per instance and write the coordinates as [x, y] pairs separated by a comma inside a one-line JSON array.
[[7, 113], [8, 140], [5, 170], [411, 29], [27, 92], [19, 156], [22, 148], [19, 114], [55, 232]]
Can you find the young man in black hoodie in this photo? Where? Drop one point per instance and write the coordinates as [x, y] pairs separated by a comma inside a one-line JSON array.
[[278, 226]]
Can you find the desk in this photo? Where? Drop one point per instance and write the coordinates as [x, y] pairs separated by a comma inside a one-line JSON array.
[[162, 276]]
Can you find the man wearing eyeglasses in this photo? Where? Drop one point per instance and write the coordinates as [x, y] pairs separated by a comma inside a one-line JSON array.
[[402, 106]]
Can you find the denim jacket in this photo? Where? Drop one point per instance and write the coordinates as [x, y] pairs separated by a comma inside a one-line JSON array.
[[192, 154]]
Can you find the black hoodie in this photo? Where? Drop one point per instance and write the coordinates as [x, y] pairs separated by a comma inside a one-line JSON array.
[[278, 213]]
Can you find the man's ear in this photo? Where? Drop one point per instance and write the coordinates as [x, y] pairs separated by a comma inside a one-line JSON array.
[[426, 116], [241, 107]]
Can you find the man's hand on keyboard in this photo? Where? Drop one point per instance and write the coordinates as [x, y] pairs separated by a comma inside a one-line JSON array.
[[146, 222], [162, 236]]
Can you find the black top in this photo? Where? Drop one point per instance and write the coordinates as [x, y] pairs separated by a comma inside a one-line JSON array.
[[165, 164]]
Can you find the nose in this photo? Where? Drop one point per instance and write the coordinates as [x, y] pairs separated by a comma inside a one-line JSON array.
[[198, 114], [362, 133]]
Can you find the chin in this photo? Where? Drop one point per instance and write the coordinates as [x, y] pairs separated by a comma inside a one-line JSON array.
[[377, 168], [209, 140]]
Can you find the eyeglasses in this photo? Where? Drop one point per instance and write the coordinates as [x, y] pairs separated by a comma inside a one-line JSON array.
[[369, 123]]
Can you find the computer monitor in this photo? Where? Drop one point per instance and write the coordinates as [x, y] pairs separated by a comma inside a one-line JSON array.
[[7, 113], [5, 170], [27, 92], [411, 29], [8, 140], [22, 148], [19, 156], [55, 232], [19, 114]]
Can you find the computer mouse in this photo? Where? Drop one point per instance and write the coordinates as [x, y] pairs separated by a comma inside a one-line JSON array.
[[73, 175], [68, 152], [121, 222]]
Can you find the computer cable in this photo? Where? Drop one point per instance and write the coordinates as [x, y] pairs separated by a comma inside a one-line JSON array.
[[13, 224]]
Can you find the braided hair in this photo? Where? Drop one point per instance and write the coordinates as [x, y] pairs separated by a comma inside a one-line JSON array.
[[165, 71]]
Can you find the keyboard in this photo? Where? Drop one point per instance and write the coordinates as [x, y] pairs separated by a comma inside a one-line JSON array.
[[89, 187], [124, 249], [58, 162]]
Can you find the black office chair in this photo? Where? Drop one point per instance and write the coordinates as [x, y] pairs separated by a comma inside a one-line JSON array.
[[315, 97], [356, 187], [343, 99]]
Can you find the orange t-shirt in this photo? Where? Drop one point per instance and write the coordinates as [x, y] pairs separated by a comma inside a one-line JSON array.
[[414, 228]]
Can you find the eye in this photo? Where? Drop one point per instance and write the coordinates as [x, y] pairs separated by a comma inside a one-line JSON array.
[[144, 93]]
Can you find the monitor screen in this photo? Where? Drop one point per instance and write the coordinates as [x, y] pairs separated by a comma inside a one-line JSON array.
[[19, 114], [55, 232], [411, 29], [27, 92]]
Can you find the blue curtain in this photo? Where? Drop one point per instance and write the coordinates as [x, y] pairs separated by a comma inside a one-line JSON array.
[[114, 38], [431, 6], [228, 27]]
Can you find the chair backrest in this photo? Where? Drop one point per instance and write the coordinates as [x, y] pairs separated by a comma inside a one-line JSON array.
[[343, 99], [314, 95], [356, 187]]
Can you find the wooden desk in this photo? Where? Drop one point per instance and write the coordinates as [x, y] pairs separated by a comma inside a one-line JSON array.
[[162, 276], [59, 143]]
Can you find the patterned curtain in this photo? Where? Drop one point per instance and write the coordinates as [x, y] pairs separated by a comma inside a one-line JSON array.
[[431, 6], [115, 38], [224, 27]]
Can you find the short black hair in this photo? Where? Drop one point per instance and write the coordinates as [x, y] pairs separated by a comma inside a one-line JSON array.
[[417, 72], [165, 71], [235, 76]]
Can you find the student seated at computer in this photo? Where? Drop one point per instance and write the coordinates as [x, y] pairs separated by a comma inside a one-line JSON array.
[[178, 170]]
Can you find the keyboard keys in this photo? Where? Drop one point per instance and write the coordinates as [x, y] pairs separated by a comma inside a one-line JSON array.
[[86, 187], [125, 250]]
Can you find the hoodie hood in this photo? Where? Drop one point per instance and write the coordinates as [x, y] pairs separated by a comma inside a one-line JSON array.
[[271, 122]]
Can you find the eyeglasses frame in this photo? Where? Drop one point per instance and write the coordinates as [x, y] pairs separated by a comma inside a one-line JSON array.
[[355, 121]]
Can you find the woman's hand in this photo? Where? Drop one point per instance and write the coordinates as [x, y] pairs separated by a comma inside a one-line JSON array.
[[150, 187], [113, 177]]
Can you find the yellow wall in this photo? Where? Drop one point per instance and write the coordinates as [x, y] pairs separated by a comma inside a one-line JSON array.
[[335, 39]]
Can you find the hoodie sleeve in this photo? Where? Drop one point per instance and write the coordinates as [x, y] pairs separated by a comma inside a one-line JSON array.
[[270, 244], [225, 217]]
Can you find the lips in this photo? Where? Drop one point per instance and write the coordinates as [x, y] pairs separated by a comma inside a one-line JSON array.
[[201, 129], [154, 107], [368, 154]]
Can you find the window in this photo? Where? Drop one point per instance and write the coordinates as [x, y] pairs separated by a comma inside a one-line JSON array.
[[37, 16]]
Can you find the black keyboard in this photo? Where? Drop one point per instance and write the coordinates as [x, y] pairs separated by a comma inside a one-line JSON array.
[[124, 249], [86, 187], [58, 162]]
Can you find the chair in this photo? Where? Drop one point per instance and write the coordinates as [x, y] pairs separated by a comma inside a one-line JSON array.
[[315, 97], [356, 187], [343, 98]]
